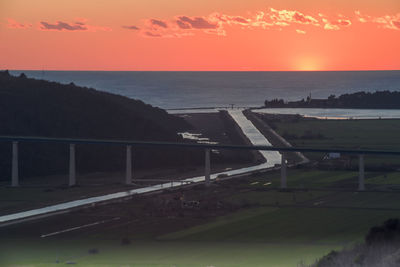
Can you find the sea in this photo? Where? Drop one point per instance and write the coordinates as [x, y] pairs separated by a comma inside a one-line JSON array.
[[177, 90]]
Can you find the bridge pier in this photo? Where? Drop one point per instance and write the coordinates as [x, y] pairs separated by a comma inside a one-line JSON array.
[[283, 171], [72, 168], [207, 168], [361, 173], [128, 173], [14, 165]]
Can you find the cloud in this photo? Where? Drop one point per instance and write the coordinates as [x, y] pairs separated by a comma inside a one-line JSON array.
[[132, 27], [362, 18], [269, 19], [226, 19], [332, 27], [151, 34], [336, 24], [391, 22], [284, 17], [185, 22], [76, 26], [275, 18], [13, 24], [60, 26], [240, 20], [342, 22], [183, 25], [388, 22], [166, 34], [158, 23]]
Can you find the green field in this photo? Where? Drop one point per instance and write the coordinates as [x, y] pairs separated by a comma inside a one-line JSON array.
[[166, 254], [263, 227], [347, 134], [366, 134]]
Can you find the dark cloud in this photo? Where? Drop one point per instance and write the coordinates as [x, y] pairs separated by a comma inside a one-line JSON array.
[[196, 23], [13, 24], [240, 20], [301, 18], [159, 23], [151, 34], [132, 27], [59, 26], [183, 25]]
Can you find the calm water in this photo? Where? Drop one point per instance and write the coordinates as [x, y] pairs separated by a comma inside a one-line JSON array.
[[210, 89]]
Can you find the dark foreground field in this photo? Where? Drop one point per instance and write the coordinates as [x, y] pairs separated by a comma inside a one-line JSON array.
[[240, 222]]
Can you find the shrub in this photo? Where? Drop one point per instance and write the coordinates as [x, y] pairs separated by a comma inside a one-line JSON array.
[[388, 232]]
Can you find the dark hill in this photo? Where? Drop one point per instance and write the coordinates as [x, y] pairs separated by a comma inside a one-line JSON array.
[[42, 108], [31, 107]]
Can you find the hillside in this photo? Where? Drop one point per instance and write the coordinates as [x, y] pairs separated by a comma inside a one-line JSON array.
[[30, 107], [27, 106]]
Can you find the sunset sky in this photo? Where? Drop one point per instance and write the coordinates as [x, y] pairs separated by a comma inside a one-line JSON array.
[[239, 35]]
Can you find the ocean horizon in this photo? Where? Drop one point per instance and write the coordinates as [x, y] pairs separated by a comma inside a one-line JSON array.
[[194, 89]]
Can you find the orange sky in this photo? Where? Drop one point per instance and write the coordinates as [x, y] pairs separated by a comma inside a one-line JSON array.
[[200, 35]]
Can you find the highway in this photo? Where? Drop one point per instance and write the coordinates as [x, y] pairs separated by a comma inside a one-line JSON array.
[[254, 135]]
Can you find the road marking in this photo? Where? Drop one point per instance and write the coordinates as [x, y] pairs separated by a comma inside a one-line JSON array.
[[79, 227]]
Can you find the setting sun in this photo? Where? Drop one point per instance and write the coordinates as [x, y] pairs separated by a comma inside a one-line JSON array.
[[308, 64]]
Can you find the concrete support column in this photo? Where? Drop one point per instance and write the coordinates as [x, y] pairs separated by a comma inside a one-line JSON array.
[[207, 168], [72, 169], [14, 165], [361, 173], [128, 173], [283, 171]]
